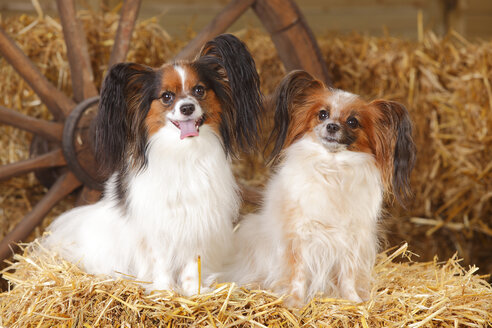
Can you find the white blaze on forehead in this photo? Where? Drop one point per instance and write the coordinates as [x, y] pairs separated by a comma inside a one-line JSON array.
[[182, 75], [338, 101]]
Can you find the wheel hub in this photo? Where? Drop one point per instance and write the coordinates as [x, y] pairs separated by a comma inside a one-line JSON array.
[[77, 144]]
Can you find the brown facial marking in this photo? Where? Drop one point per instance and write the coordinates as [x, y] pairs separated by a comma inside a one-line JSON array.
[[171, 80], [305, 116], [191, 79], [361, 111], [155, 118], [213, 110]]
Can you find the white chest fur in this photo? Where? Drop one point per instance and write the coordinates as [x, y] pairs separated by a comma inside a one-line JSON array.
[[341, 189]]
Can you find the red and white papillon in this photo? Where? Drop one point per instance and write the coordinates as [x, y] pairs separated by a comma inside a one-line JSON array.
[[317, 231], [166, 136]]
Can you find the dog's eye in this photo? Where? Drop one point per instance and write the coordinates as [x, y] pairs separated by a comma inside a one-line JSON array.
[[167, 97], [323, 115], [352, 122], [198, 91]]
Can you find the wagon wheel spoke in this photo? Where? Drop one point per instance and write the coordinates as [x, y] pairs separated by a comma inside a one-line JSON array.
[[58, 104], [62, 187], [288, 30], [45, 129], [78, 56], [218, 25], [49, 160], [128, 17]]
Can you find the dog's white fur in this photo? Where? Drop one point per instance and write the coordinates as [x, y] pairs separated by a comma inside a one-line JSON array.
[[317, 230], [179, 206]]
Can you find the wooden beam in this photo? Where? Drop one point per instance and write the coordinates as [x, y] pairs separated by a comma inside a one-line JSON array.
[[62, 187], [78, 56], [58, 103], [49, 130], [217, 26], [294, 40], [52, 159], [128, 17]]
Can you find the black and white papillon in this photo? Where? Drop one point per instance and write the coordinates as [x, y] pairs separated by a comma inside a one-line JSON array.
[[166, 136]]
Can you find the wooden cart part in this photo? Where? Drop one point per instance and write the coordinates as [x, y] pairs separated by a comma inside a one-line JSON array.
[[74, 163]]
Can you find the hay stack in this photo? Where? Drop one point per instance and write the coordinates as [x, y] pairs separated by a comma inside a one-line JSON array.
[[51, 292]]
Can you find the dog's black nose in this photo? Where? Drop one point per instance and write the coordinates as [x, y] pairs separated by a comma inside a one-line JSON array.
[[332, 127], [187, 109]]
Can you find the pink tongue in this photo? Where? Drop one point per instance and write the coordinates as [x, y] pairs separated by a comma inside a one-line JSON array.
[[188, 129]]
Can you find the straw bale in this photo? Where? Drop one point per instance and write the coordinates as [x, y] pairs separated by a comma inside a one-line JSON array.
[[48, 291]]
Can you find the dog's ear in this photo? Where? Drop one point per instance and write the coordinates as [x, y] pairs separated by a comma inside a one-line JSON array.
[[293, 91], [237, 85], [396, 151], [120, 133]]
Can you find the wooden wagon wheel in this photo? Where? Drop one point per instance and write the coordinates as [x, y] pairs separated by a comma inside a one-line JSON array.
[[60, 152]]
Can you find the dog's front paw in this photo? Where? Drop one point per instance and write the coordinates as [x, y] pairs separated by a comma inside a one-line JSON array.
[[294, 301], [189, 286], [189, 279], [160, 283], [348, 291]]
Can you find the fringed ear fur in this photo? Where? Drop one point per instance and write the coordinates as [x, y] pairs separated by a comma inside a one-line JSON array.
[[120, 133], [397, 132], [238, 91], [291, 92]]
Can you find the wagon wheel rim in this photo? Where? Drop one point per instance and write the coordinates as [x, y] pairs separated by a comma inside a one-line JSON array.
[[283, 20]]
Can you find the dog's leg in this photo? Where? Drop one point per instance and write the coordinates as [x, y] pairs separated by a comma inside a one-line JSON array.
[[189, 278], [161, 274], [297, 279], [348, 290], [162, 281]]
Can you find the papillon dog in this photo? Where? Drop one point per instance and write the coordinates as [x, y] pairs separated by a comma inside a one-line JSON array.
[[166, 136], [317, 231]]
